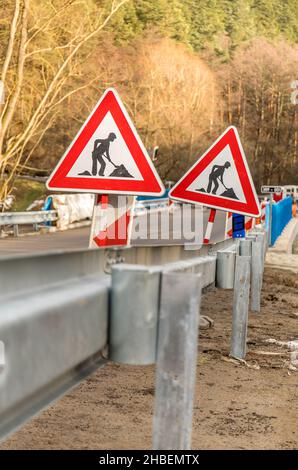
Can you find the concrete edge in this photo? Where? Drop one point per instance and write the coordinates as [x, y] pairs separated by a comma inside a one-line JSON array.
[[285, 241]]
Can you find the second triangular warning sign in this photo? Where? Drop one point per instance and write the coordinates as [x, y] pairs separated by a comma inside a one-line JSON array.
[[220, 178], [107, 155]]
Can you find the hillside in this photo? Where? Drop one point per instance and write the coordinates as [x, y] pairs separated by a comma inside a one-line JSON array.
[[185, 70]]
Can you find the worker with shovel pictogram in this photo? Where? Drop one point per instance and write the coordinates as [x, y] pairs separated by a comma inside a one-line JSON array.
[[101, 150], [216, 177]]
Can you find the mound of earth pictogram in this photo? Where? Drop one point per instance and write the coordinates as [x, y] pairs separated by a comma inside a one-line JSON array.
[[121, 172]]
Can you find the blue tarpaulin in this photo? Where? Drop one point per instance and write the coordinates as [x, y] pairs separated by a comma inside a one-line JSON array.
[[165, 195], [281, 216], [48, 206]]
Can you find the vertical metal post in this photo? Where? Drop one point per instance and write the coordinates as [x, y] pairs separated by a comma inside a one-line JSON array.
[[225, 269], [256, 275], [245, 247], [262, 238], [15, 230], [240, 307], [176, 360], [134, 314], [266, 241], [251, 236]]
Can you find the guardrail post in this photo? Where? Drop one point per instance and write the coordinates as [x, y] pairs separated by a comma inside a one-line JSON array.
[[176, 360], [240, 307], [251, 237], [266, 241], [134, 314], [262, 238], [15, 230], [256, 274], [225, 269], [245, 247]]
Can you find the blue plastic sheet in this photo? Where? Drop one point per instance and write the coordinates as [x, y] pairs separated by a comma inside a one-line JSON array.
[[281, 216]]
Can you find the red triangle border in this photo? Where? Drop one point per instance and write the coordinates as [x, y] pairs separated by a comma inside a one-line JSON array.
[[250, 207], [151, 184]]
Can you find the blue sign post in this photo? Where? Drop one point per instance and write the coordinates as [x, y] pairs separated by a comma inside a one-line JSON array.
[[238, 226]]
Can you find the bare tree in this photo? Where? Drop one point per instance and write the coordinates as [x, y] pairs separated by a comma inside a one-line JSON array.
[[172, 96], [257, 100], [46, 47]]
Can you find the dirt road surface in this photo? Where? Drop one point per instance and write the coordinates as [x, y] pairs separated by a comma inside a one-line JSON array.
[[236, 406]]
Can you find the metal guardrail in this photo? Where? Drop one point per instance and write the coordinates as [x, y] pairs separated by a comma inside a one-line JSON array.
[[62, 315], [54, 317], [53, 325], [26, 218], [133, 332]]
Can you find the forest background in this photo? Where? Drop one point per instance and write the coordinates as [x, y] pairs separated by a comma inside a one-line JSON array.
[[185, 69]]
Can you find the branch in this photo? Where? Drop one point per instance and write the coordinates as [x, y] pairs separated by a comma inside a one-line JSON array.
[[20, 70], [10, 45], [47, 49], [39, 110], [67, 95], [48, 22], [49, 124]]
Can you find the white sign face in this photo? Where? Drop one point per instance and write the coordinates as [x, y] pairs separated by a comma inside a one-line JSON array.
[[103, 168], [227, 185]]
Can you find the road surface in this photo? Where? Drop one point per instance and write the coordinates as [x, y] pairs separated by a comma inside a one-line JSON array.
[[68, 240]]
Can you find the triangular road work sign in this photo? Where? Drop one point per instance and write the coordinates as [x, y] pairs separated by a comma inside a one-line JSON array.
[[220, 178], [107, 156]]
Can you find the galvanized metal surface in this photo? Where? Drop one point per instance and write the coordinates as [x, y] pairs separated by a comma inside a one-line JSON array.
[[134, 314], [160, 255], [257, 263], [225, 269], [245, 247], [135, 305], [53, 325], [25, 272], [240, 306], [263, 239], [176, 361], [204, 265], [251, 236], [21, 218], [54, 317]]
